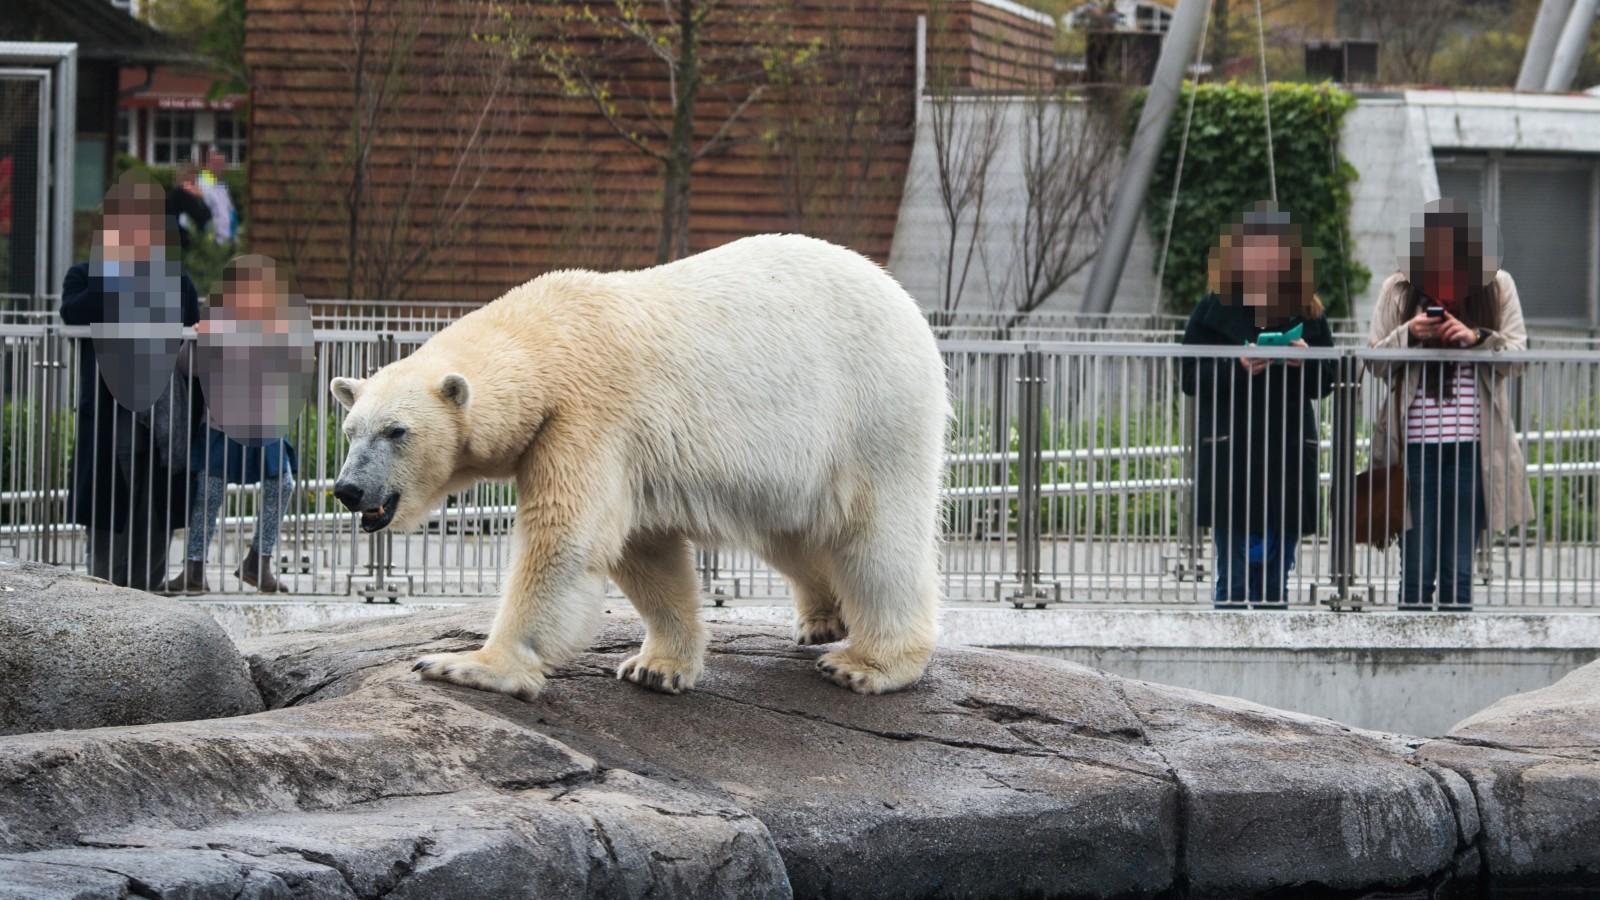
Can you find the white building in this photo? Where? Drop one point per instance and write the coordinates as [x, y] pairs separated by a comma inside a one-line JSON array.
[[1531, 162]]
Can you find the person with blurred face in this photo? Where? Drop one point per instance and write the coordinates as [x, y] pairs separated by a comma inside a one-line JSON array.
[[186, 206], [241, 339], [1256, 478], [131, 423], [214, 191], [1448, 423]]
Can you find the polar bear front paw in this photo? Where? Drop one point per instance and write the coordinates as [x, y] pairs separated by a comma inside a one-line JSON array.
[[485, 670], [666, 674], [820, 629], [866, 675]]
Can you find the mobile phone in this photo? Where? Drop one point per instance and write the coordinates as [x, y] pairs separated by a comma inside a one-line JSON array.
[[1435, 312], [1280, 338]]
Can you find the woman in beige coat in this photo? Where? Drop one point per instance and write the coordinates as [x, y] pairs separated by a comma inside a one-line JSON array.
[[1449, 423]]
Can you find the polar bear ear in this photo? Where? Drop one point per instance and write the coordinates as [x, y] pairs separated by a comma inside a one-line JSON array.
[[454, 388], [344, 390]]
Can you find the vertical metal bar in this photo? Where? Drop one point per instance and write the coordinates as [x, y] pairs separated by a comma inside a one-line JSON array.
[[1341, 573]]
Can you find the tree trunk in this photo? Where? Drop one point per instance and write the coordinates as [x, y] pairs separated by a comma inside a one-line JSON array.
[[674, 241], [353, 199]]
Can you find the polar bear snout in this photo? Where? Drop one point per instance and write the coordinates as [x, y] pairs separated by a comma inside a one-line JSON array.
[[362, 486]]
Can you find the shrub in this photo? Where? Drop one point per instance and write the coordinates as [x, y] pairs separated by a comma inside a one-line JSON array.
[[1225, 173]]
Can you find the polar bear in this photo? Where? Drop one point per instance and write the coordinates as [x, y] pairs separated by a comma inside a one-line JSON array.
[[778, 393]]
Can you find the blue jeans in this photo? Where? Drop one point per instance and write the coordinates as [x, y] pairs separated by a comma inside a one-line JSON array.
[[1253, 568], [1444, 499]]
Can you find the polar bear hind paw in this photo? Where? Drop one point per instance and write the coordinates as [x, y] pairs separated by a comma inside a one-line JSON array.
[[820, 629], [659, 673], [485, 671], [868, 676]]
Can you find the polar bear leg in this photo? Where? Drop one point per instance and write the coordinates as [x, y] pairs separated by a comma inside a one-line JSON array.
[[888, 587], [656, 572], [549, 606], [817, 619]]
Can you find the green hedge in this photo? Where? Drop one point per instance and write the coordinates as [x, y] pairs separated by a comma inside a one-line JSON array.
[[1225, 173]]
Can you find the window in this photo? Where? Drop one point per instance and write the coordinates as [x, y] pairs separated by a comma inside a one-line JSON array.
[[229, 137], [1147, 17], [1545, 223], [125, 131], [174, 137]]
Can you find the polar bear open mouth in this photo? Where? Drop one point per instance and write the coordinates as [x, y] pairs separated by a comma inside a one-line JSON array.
[[379, 518]]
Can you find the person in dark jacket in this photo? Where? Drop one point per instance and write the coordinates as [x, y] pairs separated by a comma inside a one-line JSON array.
[[126, 490], [1256, 426], [186, 206]]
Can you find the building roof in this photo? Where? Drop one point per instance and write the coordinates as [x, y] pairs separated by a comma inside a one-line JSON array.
[[170, 88], [101, 31]]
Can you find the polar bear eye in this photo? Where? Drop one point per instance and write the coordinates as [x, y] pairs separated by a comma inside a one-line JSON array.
[[394, 432]]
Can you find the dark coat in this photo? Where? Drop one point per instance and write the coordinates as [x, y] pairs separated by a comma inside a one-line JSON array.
[[1256, 435], [104, 492]]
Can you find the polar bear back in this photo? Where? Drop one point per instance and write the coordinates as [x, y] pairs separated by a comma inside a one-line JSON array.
[[799, 373], [775, 383]]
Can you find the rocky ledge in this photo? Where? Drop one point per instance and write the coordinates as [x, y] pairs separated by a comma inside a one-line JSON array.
[[997, 775]]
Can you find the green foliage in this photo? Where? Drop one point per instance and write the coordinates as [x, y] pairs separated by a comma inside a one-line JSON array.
[[26, 436], [1567, 505], [1225, 173], [214, 29]]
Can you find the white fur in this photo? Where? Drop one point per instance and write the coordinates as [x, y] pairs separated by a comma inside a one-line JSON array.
[[778, 393]]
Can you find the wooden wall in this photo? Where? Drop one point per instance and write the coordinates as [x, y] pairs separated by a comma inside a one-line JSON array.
[[545, 182]]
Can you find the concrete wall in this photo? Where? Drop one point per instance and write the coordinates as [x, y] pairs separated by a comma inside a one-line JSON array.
[[917, 256], [1385, 139], [1390, 139]]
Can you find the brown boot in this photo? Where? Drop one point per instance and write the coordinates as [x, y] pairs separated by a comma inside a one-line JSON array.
[[191, 581], [256, 571]]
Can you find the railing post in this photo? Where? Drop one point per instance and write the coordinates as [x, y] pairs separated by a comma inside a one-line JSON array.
[[1191, 554], [994, 525], [1346, 399], [1030, 588], [379, 585]]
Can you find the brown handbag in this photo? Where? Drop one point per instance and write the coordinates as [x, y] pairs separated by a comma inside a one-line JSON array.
[[1380, 505]]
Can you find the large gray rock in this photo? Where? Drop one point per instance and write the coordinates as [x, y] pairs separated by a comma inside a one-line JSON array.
[[78, 652], [1533, 763], [997, 775]]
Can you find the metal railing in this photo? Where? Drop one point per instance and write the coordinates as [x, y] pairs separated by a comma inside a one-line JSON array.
[[1072, 474]]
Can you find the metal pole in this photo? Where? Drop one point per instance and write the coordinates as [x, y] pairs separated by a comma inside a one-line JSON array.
[[1177, 50], [1542, 44], [1346, 397], [1569, 49]]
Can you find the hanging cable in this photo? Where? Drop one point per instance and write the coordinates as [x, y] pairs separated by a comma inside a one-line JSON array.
[[1266, 101], [1177, 178]]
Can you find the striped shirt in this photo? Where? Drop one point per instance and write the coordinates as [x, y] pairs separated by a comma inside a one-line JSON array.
[[1433, 420]]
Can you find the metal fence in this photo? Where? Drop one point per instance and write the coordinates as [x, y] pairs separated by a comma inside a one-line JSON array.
[[1072, 476]]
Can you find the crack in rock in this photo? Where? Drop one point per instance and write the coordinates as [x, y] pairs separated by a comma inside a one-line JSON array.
[[1037, 751], [1180, 855]]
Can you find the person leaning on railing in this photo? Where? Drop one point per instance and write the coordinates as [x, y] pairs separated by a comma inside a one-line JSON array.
[[1449, 423], [1257, 440], [250, 305], [129, 469]]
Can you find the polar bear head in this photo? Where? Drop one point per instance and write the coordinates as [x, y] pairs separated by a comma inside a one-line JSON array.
[[406, 430]]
